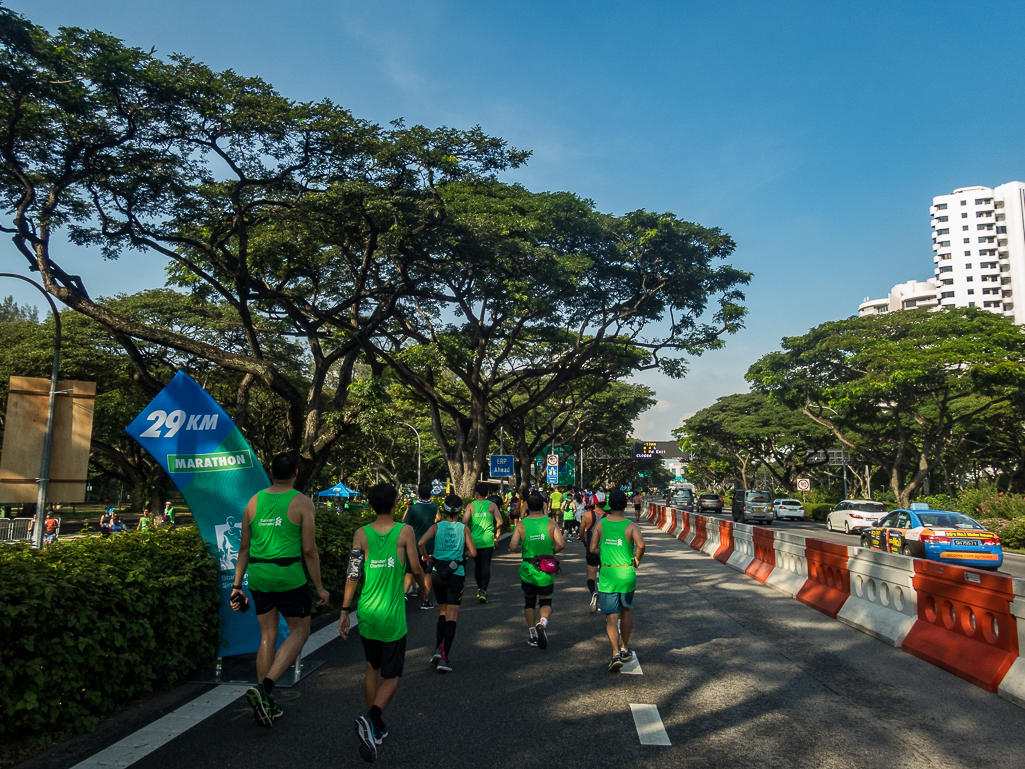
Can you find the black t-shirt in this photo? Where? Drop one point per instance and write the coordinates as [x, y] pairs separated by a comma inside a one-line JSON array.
[[421, 517]]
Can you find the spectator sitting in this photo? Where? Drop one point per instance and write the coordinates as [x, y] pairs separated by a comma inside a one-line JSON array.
[[106, 521]]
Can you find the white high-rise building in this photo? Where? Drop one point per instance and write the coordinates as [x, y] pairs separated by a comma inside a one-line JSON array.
[[978, 243], [978, 237]]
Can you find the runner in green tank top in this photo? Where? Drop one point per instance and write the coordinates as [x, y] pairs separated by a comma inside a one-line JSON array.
[[485, 522], [621, 547], [277, 536], [380, 551], [536, 535]]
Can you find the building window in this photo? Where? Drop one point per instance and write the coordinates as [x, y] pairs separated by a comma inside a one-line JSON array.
[[968, 279], [998, 204], [947, 281], [1002, 230], [947, 295], [964, 215], [964, 202], [965, 228], [967, 253], [946, 268], [941, 218], [967, 240], [944, 243], [942, 232], [941, 207], [979, 201], [970, 292]]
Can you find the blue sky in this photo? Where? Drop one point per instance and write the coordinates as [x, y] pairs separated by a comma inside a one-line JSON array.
[[816, 134]]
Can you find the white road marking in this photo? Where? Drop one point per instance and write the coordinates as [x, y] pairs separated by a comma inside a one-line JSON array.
[[649, 725], [140, 744], [632, 667]]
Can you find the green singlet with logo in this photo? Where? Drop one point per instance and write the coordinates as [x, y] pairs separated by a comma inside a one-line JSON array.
[[482, 525], [536, 542], [382, 607], [274, 536], [617, 559]]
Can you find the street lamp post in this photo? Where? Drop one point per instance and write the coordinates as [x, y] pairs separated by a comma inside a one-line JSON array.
[[44, 465], [417, 452]]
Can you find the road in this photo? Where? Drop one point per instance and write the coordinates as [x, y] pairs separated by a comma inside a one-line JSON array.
[[740, 676], [1014, 564]]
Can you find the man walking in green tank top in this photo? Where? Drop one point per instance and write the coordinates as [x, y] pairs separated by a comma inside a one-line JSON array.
[[485, 522], [381, 552], [536, 535], [277, 534], [621, 547]]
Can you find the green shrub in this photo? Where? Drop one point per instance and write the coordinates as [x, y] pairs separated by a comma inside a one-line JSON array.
[[819, 511], [335, 531], [87, 624], [989, 503], [1011, 533]]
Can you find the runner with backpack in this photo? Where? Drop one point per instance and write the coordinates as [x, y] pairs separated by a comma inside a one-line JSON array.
[[539, 539], [450, 538]]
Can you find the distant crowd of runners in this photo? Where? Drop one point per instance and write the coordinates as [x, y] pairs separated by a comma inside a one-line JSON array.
[[427, 553]]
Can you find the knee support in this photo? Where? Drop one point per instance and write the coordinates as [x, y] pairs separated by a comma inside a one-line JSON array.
[[530, 601], [546, 601]]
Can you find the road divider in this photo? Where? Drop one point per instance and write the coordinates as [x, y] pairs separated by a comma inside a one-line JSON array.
[[764, 560], [883, 601], [743, 547], [726, 542], [791, 570], [829, 582], [711, 543]]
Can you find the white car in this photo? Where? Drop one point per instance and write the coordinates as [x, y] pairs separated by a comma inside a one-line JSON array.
[[787, 510], [853, 515]]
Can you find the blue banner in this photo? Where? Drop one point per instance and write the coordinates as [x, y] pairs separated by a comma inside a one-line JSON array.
[[217, 472]]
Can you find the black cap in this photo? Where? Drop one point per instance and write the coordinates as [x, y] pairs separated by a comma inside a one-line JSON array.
[[617, 499]]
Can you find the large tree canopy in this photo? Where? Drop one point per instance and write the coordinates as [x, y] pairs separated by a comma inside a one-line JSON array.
[[894, 388]]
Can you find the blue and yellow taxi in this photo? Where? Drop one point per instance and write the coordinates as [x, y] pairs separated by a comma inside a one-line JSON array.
[[939, 535]]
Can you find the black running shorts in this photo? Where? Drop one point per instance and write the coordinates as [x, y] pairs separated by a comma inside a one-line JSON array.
[[592, 559], [297, 602], [530, 589], [448, 591], [387, 656]]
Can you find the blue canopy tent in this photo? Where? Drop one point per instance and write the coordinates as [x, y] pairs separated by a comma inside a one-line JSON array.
[[338, 490]]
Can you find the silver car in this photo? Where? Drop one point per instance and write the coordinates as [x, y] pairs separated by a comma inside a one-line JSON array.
[[853, 515], [787, 510]]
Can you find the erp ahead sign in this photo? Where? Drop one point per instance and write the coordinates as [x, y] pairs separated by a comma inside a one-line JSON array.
[[502, 466], [553, 474]]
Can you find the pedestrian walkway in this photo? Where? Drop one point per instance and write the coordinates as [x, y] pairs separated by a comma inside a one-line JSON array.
[[730, 673]]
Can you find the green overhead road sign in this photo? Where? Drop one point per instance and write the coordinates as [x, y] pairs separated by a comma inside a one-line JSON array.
[[644, 474]]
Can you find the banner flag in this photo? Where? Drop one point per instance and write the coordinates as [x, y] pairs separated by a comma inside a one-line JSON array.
[[211, 463]]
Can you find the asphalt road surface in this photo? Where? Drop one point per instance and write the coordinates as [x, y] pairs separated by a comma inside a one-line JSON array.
[[741, 676], [1014, 564]]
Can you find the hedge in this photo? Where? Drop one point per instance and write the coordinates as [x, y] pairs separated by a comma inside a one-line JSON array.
[[88, 624]]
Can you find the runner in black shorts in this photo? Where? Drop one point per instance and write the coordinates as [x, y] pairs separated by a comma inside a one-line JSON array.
[[451, 540], [593, 560], [421, 516]]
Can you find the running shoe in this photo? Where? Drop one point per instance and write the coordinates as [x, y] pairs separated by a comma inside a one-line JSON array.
[[260, 703], [443, 665], [436, 657], [532, 641], [426, 605], [275, 711], [625, 654], [380, 732], [482, 596], [615, 663], [542, 635], [367, 740], [594, 602]]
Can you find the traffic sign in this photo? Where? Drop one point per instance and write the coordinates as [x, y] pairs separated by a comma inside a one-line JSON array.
[[502, 466], [552, 460], [803, 484], [553, 474]]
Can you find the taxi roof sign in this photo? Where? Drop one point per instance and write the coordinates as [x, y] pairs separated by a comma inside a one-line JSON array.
[[919, 506]]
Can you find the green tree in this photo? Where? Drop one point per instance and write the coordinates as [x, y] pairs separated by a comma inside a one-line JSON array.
[[895, 388]]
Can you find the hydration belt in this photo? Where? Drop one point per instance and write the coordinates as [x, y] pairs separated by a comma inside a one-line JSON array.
[[278, 561]]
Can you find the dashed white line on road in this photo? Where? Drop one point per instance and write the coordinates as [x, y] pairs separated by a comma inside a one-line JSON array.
[[632, 667], [140, 744], [649, 725]]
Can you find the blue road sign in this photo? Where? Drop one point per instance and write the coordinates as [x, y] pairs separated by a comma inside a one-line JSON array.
[[553, 474], [502, 466]]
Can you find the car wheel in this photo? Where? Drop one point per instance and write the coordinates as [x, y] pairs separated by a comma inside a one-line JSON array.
[[865, 543], [829, 524], [846, 527], [906, 550]]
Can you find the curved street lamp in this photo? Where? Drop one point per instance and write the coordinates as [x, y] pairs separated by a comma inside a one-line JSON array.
[[44, 465], [417, 452]]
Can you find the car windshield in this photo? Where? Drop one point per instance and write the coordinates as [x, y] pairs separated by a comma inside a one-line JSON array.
[[949, 520], [789, 502], [710, 496], [758, 496], [868, 507]]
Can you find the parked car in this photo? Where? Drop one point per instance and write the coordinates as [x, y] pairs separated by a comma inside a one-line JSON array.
[[853, 515], [710, 503], [938, 535], [787, 510], [752, 505]]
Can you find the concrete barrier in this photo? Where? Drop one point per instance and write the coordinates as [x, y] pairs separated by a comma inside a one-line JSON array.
[[791, 570], [725, 541], [1012, 687], [690, 529], [700, 532], [712, 536], [964, 623], [883, 601], [743, 547], [764, 556], [829, 581]]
